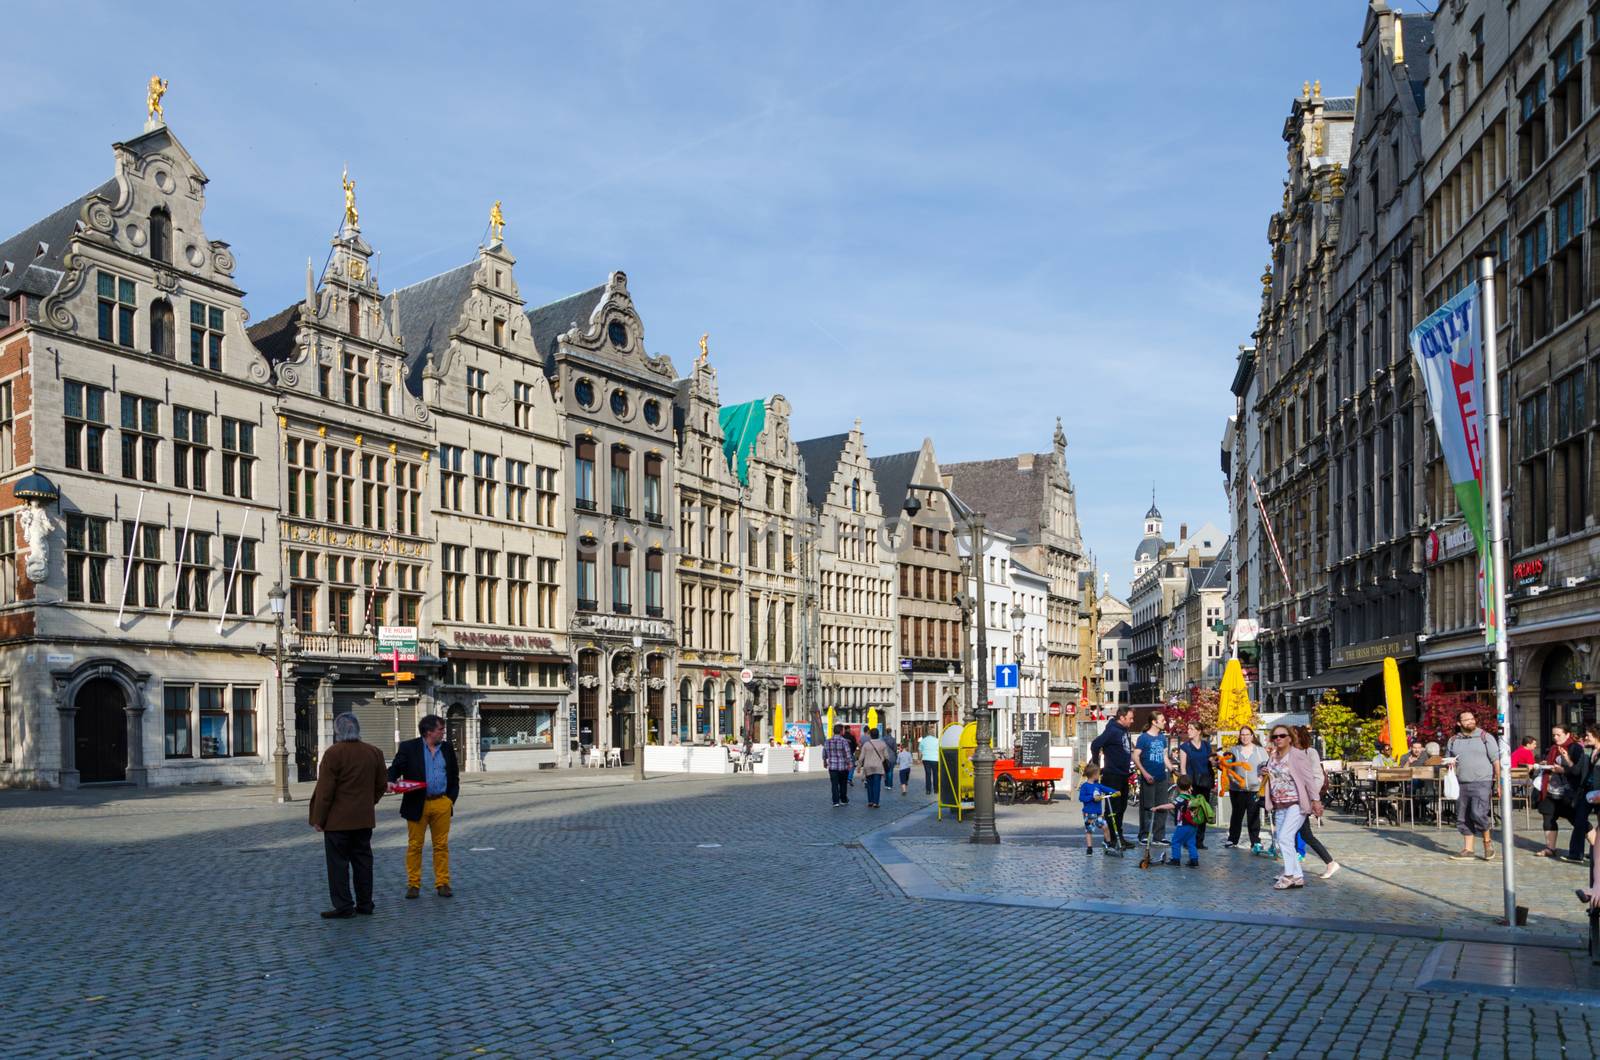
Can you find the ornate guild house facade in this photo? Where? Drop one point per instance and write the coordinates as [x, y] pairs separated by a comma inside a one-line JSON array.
[[138, 490]]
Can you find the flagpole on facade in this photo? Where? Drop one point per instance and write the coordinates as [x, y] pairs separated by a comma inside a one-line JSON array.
[[1496, 587]]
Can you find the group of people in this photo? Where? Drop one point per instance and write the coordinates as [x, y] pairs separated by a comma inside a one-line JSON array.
[[1186, 779], [352, 778], [875, 756]]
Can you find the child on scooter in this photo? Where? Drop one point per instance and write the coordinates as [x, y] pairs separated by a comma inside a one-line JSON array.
[[1190, 811], [1092, 794]]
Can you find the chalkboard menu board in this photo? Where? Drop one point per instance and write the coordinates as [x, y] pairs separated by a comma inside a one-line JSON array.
[[1035, 748]]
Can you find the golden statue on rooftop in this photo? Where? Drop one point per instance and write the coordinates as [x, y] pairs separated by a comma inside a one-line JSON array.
[[351, 218], [705, 355], [152, 99], [497, 221]]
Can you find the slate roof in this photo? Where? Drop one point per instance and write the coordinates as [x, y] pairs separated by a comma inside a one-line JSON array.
[[37, 274], [550, 322], [1339, 105], [1219, 575], [1010, 498], [428, 310], [1120, 631], [893, 474], [274, 336], [1150, 547], [821, 457]]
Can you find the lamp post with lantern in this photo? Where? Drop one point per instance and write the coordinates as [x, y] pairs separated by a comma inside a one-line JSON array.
[[1018, 616], [280, 752], [983, 826]]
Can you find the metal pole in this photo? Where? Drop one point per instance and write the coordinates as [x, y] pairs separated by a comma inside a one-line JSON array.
[[639, 686], [280, 753], [983, 829], [1497, 587]]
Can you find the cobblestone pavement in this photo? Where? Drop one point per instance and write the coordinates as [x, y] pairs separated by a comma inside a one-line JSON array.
[[1399, 876], [715, 916]]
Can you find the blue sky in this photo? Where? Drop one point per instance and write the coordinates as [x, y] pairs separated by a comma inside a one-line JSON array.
[[951, 220]]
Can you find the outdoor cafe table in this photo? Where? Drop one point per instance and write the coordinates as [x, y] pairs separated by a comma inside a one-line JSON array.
[[1366, 773]]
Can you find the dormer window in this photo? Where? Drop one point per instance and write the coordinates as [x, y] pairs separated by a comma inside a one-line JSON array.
[[160, 235], [499, 330]]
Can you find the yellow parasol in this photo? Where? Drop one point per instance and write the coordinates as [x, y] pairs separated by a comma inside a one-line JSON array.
[[777, 722], [830, 724], [872, 717], [1397, 711], [1233, 709]]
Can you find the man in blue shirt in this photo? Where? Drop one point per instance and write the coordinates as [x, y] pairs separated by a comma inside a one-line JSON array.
[[1155, 784], [1115, 752], [428, 810]]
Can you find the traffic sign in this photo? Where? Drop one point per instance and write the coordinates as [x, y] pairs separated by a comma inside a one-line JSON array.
[[402, 639], [1005, 679], [747, 675]]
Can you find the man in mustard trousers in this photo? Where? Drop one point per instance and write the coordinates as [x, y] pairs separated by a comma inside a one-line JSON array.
[[432, 760]]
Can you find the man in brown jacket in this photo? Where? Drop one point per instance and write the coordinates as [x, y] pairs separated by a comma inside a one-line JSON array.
[[350, 780]]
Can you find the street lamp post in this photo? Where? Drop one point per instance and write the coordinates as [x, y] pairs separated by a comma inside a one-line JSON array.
[[983, 826], [280, 753], [1018, 616], [639, 686]]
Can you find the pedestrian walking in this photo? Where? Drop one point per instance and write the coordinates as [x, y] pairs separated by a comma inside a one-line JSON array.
[[1152, 757], [837, 760], [1557, 797], [431, 759], [1302, 740], [894, 757], [1114, 749], [1293, 793], [1475, 756], [1092, 796], [902, 762], [873, 760], [855, 747], [350, 782], [1244, 796], [928, 748], [1194, 762]]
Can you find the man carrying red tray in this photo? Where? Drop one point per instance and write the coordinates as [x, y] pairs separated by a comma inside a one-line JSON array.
[[429, 765]]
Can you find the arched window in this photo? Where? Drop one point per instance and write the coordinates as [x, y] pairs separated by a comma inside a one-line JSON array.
[[855, 495], [161, 235], [163, 331]]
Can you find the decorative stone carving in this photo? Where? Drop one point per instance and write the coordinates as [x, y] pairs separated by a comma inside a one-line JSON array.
[[36, 524]]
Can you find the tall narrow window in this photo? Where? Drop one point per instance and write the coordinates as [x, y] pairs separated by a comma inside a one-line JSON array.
[[8, 559], [141, 543], [355, 376], [452, 481], [588, 586], [194, 572], [85, 414], [141, 426], [653, 606], [619, 481], [205, 336], [338, 470], [161, 235], [621, 579], [87, 556], [178, 701], [483, 483], [190, 448], [516, 590], [485, 564], [163, 329], [455, 583], [522, 405], [546, 593], [239, 567], [116, 297], [583, 463], [477, 391], [544, 501], [244, 721], [408, 496], [239, 458], [517, 490], [652, 490]]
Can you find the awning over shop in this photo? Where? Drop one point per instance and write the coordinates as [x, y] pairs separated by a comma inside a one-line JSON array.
[[1338, 677]]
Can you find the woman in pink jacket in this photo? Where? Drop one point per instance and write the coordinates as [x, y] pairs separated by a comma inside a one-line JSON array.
[[1294, 789]]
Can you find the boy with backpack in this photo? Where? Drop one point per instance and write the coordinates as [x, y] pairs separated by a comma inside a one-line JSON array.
[[1191, 811], [1093, 795]]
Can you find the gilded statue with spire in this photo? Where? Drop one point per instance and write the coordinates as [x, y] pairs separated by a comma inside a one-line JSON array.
[[705, 355], [497, 222], [351, 218], [152, 98]]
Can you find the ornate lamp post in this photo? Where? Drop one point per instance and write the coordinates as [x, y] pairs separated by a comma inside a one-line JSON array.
[[280, 753], [639, 685], [983, 828]]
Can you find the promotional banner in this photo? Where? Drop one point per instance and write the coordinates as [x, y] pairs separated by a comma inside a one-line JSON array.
[[1447, 348]]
